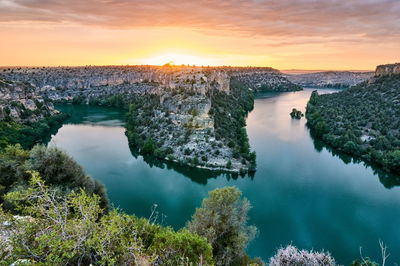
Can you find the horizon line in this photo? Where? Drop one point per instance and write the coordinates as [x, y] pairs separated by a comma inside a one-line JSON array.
[[187, 65]]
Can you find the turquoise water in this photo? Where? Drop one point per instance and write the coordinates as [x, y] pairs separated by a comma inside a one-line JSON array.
[[301, 193]]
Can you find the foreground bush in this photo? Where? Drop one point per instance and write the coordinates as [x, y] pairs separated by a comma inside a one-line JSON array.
[[75, 231], [222, 219], [291, 256], [56, 167]]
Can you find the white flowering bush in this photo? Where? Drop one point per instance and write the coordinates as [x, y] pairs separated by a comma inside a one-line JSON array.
[[290, 255]]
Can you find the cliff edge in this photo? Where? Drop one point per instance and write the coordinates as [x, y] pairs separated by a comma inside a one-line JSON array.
[[387, 70]]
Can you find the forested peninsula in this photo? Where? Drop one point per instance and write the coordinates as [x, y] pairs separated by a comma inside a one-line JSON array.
[[362, 121]]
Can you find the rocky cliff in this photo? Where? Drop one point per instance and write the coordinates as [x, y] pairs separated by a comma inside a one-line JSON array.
[[330, 79], [390, 69], [190, 115], [21, 103], [263, 79], [198, 79]]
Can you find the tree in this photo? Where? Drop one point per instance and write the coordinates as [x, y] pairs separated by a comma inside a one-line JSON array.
[[393, 160], [222, 219], [148, 147], [351, 148]]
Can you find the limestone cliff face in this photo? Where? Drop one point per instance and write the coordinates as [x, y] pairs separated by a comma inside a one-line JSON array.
[[390, 69], [199, 79], [330, 79], [21, 103]]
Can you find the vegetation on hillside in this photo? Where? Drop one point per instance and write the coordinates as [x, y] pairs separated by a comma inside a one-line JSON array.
[[148, 124], [74, 230], [28, 134], [230, 112], [363, 121], [56, 168]]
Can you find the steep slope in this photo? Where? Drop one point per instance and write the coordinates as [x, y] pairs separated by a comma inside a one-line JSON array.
[[363, 121], [25, 116], [330, 79]]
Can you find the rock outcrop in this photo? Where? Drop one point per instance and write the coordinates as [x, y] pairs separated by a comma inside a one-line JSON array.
[[386, 70], [20, 102]]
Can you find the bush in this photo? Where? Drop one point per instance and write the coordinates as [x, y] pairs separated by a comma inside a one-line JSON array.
[[55, 166], [291, 256], [72, 230]]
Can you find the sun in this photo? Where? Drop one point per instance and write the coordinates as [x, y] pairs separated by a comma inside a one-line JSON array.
[[177, 59]]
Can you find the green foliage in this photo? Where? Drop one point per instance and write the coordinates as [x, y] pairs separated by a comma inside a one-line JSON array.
[[229, 164], [297, 114], [362, 121], [149, 147], [351, 148], [140, 126], [168, 244], [72, 230], [28, 134], [222, 219], [392, 160], [55, 166], [229, 112]]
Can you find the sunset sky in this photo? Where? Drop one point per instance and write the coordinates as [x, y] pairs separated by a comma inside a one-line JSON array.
[[298, 34]]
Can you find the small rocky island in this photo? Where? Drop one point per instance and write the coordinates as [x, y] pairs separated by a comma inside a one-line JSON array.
[[189, 115], [296, 114]]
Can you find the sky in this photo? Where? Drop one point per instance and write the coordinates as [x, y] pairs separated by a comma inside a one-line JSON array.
[[284, 34]]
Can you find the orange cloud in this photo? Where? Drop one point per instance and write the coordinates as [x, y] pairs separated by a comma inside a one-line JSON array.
[[281, 33]]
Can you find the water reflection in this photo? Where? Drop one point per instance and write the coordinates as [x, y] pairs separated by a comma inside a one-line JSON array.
[[198, 175], [93, 115], [111, 117]]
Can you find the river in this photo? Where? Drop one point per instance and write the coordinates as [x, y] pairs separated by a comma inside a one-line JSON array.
[[301, 194]]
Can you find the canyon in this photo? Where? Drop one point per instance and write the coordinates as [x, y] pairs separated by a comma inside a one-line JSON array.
[[188, 120]]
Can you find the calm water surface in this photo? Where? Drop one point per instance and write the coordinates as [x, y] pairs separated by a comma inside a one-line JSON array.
[[300, 195]]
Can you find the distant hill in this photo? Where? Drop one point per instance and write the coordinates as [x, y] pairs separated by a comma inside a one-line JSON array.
[[364, 120], [329, 79]]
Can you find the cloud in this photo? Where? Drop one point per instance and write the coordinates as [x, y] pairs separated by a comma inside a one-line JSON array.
[[354, 19]]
